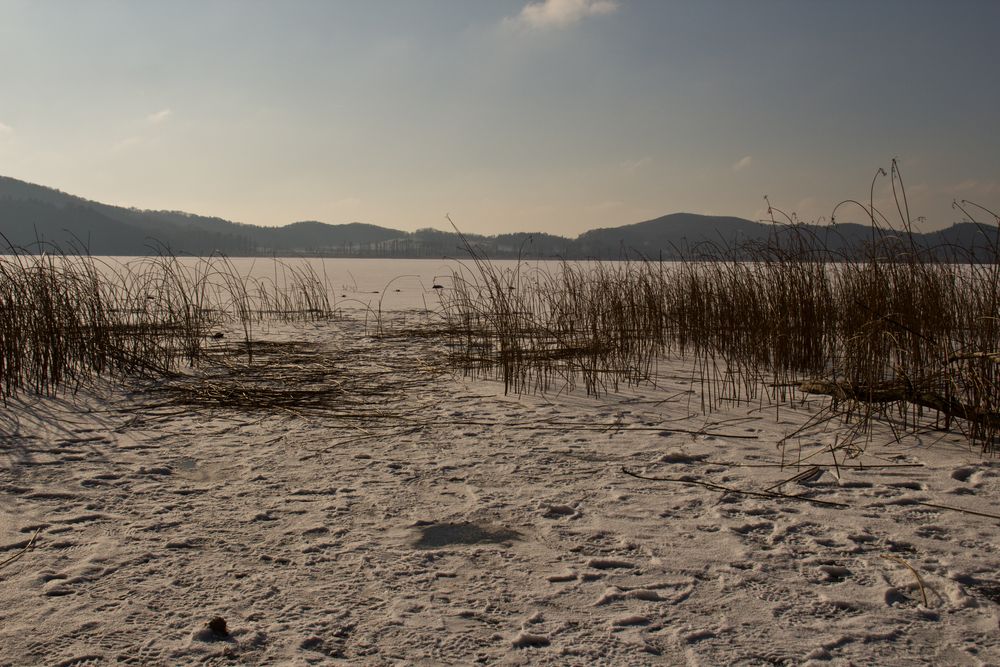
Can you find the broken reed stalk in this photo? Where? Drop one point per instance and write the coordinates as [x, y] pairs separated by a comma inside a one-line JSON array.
[[7, 561], [916, 575], [961, 510]]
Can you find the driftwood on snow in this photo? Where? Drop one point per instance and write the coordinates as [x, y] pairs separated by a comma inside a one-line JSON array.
[[893, 392], [989, 356]]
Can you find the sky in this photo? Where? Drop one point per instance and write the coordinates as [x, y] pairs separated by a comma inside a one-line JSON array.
[[550, 115]]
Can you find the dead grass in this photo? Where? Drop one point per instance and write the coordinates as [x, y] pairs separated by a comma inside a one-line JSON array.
[[296, 378]]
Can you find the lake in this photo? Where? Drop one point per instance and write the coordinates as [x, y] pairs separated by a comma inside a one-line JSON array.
[[355, 284]]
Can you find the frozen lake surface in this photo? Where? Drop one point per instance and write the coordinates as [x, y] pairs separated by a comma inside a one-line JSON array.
[[354, 284]]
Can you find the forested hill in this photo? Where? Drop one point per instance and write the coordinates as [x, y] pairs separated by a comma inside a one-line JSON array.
[[35, 217]]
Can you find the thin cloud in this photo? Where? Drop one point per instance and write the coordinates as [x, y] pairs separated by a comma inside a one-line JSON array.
[[632, 166], [159, 117], [607, 205], [742, 163], [971, 188], [127, 143], [561, 13], [5, 129]]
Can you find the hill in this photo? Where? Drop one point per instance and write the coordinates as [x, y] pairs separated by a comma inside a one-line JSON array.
[[35, 217]]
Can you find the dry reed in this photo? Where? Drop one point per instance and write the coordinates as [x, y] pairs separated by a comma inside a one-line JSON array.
[[887, 328], [65, 318]]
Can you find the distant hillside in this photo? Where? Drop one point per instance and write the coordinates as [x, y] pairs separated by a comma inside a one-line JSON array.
[[677, 233], [31, 213], [34, 217]]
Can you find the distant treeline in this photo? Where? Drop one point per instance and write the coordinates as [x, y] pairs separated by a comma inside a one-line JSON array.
[[34, 218]]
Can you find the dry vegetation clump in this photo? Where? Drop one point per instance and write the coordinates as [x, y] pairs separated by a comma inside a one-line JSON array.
[[65, 318], [889, 329], [294, 378]]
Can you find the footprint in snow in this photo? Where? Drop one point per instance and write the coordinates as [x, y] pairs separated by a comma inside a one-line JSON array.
[[529, 640], [963, 474], [678, 456]]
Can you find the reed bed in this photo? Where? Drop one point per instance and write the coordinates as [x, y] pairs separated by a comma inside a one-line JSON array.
[[887, 329], [66, 318]]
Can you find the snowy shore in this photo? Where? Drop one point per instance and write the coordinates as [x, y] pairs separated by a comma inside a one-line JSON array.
[[421, 518]]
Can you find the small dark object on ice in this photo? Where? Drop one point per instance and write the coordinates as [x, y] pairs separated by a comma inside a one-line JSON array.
[[217, 335], [436, 286], [218, 627]]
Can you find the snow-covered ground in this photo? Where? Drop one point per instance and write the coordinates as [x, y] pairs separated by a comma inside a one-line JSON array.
[[437, 521]]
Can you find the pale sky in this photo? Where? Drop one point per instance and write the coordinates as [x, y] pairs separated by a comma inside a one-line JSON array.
[[554, 115]]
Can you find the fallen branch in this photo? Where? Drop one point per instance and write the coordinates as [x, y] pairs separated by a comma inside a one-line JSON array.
[[729, 489], [893, 393], [598, 426], [989, 356], [769, 494], [844, 466]]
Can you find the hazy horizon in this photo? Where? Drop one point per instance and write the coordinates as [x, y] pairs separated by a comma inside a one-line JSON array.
[[555, 116]]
